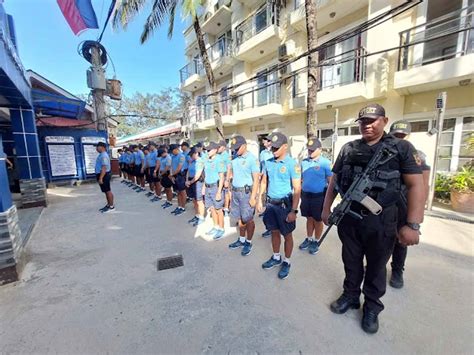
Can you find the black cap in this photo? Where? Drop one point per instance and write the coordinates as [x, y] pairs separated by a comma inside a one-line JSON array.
[[403, 127], [210, 145], [266, 138], [222, 143], [173, 147], [192, 151], [236, 142], [152, 144], [160, 152], [277, 139], [314, 143], [101, 144], [198, 145], [371, 111], [185, 144]]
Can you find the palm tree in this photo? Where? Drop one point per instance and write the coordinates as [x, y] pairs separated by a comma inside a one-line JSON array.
[[166, 9], [313, 70]]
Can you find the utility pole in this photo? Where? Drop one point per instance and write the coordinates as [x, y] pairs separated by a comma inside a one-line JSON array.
[[334, 134], [98, 93], [441, 106]]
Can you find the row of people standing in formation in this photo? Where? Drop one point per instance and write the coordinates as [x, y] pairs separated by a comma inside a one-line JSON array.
[[240, 184]]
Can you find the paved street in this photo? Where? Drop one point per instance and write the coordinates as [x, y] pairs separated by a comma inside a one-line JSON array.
[[92, 286]]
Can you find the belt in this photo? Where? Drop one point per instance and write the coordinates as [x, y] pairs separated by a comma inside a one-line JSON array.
[[314, 194], [279, 201], [242, 189], [211, 185]]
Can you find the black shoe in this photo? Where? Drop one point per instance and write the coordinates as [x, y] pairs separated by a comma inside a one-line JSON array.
[[344, 303], [396, 281], [370, 321]]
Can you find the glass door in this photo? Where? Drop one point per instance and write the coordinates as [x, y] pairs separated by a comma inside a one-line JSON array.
[[261, 19], [262, 88]]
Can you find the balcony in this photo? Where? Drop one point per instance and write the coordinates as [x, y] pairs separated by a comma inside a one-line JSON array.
[[217, 21], [439, 54], [325, 9], [14, 89], [192, 76], [221, 56], [259, 35], [205, 116], [262, 102]]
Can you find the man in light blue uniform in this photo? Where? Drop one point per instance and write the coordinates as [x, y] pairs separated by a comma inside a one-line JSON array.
[[316, 172], [245, 175], [214, 170], [150, 164], [265, 154], [102, 173], [194, 186], [226, 159], [139, 168], [178, 177], [165, 167], [283, 175]]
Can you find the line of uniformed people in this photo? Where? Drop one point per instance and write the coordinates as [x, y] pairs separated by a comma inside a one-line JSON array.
[[274, 183]]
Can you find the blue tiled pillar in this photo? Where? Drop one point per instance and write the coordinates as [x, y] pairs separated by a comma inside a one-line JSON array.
[[32, 183], [5, 196]]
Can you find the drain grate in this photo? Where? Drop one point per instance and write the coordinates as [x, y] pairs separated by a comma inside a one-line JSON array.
[[170, 262]]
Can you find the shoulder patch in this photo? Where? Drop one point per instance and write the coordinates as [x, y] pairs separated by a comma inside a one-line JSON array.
[[297, 169], [417, 158]]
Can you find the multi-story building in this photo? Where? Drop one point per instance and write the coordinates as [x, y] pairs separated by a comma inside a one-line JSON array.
[[248, 38]]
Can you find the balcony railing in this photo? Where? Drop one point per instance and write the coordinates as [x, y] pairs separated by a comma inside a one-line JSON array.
[[205, 110], [346, 68], [443, 38], [220, 49], [265, 94], [266, 16], [194, 67]]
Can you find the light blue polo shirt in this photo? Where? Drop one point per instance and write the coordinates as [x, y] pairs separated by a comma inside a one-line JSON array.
[[187, 160], [151, 159], [102, 159], [243, 167], [264, 156], [280, 173], [176, 160], [129, 158], [315, 173], [225, 157], [193, 166], [212, 169], [165, 163], [139, 157]]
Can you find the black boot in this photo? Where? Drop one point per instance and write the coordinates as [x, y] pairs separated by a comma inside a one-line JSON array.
[[344, 303], [370, 321], [396, 280]]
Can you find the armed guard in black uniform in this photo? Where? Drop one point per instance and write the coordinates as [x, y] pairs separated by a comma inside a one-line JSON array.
[[362, 233], [402, 129]]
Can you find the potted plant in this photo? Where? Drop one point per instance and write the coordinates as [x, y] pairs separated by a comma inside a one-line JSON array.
[[462, 190]]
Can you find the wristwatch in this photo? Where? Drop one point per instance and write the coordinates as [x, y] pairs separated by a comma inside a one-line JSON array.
[[294, 211], [414, 226]]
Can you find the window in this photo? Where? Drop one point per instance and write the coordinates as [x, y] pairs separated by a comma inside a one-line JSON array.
[[261, 19], [420, 126], [445, 151], [466, 153], [354, 131], [325, 133], [342, 131]]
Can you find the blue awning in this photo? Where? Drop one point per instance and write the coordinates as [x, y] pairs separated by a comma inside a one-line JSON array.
[[57, 105]]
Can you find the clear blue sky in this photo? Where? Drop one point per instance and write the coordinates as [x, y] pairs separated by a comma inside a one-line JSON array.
[[47, 45]]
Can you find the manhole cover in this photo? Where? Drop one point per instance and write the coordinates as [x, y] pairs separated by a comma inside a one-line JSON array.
[[170, 262]]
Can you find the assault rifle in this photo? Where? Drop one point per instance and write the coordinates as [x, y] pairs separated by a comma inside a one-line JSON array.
[[359, 189]]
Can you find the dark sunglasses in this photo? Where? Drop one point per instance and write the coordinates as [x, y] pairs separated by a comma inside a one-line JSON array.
[[274, 149]]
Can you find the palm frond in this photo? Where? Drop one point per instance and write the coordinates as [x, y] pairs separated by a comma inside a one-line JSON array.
[[126, 11], [171, 21], [191, 7], [160, 10]]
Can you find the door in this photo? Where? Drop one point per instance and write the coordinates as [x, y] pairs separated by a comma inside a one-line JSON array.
[[261, 19], [262, 88]]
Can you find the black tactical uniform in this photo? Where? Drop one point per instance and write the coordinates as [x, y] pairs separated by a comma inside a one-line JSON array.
[[402, 129], [374, 236]]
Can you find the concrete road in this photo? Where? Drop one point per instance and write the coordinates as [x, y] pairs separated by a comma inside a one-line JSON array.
[[92, 286]]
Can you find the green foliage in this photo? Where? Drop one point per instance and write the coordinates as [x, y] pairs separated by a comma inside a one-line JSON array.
[[463, 181], [140, 112], [442, 186]]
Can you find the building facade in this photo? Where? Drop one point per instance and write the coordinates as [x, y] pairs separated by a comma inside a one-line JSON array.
[[248, 39]]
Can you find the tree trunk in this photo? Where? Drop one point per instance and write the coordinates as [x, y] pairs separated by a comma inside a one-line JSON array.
[[210, 78], [313, 70]]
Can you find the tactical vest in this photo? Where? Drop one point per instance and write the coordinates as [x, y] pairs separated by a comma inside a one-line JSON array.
[[387, 177]]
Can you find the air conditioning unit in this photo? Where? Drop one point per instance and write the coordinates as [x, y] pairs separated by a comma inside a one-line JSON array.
[[286, 51]]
